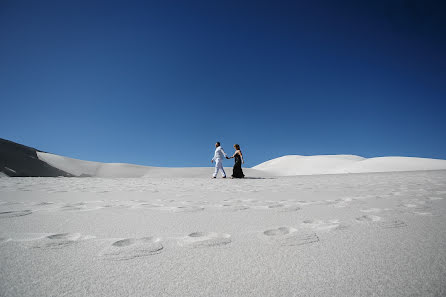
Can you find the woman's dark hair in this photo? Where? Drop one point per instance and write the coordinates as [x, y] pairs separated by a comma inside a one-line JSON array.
[[237, 147]]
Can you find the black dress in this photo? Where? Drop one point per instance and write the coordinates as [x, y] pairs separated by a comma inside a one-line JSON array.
[[237, 171]]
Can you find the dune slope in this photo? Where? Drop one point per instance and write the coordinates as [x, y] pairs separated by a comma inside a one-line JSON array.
[[21, 160], [332, 164], [97, 169]]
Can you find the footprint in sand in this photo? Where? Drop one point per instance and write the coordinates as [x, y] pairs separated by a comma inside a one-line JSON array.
[[392, 224], [182, 208], [13, 214], [277, 205], [368, 218], [422, 213], [416, 208], [299, 239], [25, 237], [412, 206], [61, 240], [324, 225], [339, 203], [45, 203], [74, 207], [279, 231], [187, 208], [131, 248], [281, 207], [205, 239], [287, 236], [371, 210], [148, 205], [7, 203], [289, 208], [231, 207]]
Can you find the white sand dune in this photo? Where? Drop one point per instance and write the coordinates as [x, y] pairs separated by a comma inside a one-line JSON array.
[[332, 164], [306, 165], [387, 164], [283, 166], [97, 169], [74, 166]]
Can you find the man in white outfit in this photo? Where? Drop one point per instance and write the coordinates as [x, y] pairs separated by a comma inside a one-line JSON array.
[[218, 158]]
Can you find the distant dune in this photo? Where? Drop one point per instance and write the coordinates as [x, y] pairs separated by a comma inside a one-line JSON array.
[[20, 160], [332, 164], [78, 167], [305, 165], [97, 169]]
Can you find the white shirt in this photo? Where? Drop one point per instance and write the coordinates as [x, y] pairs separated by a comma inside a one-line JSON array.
[[219, 153]]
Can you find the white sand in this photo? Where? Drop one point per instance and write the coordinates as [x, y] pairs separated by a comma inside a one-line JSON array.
[[283, 166], [331, 164], [98, 169], [374, 234]]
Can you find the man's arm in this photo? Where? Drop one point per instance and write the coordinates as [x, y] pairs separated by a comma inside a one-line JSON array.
[[213, 158], [226, 156]]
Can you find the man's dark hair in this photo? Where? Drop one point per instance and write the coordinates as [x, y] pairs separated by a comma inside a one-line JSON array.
[[218, 143]]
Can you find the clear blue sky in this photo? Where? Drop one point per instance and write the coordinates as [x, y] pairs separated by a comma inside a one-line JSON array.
[[158, 82]]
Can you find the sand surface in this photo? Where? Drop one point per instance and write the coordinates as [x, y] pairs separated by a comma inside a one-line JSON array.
[[78, 167], [290, 165], [334, 164], [373, 234]]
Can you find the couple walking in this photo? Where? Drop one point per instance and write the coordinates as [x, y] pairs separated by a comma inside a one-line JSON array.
[[237, 171]]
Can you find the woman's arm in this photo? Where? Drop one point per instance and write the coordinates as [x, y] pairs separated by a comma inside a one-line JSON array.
[[241, 156]]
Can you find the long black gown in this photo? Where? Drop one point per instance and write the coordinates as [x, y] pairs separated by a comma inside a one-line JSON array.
[[237, 171]]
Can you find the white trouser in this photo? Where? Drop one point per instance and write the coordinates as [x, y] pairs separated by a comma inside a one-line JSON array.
[[219, 166]]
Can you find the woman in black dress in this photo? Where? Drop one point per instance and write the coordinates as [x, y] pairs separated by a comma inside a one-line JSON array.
[[237, 171]]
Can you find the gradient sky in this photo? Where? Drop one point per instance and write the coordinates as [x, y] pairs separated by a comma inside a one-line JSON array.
[[158, 82]]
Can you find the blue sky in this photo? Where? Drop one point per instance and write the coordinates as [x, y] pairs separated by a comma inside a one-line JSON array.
[[158, 82]]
